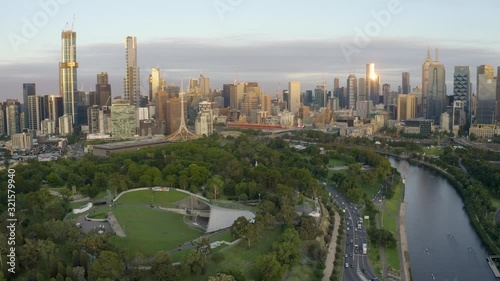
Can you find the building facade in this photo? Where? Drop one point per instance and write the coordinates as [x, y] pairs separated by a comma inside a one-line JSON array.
[[68, 74], [132, 80]]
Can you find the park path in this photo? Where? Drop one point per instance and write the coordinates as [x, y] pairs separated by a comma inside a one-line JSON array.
[[332, 248], [404, 254], [115, 225]]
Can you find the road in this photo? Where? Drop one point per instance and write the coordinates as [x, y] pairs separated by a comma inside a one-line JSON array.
[[358, 267]]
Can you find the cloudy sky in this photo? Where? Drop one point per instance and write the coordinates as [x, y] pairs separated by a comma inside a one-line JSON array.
[[271, 42]]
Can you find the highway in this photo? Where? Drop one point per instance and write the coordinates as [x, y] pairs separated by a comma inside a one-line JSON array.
[[358, 266]]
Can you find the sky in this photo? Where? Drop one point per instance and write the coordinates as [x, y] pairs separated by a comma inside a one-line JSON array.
[[270, 42]]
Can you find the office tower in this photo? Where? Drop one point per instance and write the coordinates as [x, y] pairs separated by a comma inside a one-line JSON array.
[[102, 90], [486, 97], [445, 123], [236, 92], [361, 89], [155, 83], [12, 116], [105, 120], [462, 88], [204, 84], [65, 125], [173, 113], [123, 119], [459, 118], [161, 106], [55, 108], [434, 91], [352, 91], [204, 124], [294, 96], [226, 94], [29, 89], [173, 91], [93, 119], [286, 99], [3, 129], [132, 80], [22, 141], [498, 98], [386, 94], [67, 74], [320, 96], [35, 114], [265, 102], [407, 107], [372, 83], [250, 102], [486, 69], [406, 88], [425, 81], [48, 127]]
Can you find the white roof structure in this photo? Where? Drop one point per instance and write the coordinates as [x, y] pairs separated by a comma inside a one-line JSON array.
[[221, 218]]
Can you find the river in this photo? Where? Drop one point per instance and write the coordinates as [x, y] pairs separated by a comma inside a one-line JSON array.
[[443, 244]]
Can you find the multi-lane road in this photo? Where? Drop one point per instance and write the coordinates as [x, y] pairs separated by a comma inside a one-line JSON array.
[[356, 266]]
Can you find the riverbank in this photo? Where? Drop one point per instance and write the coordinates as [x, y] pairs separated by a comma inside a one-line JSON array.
[[403, 242]]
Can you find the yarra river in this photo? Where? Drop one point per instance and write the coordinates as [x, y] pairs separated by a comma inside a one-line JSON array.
[[443, 244]]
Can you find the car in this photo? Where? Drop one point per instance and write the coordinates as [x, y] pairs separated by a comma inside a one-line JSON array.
[[346, 255], [346, 265], [363, 270]]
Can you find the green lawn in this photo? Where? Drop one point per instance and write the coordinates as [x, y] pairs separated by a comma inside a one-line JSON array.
[[434, 151], [146, 197], [149, 230], [77, 205], [371, 189], [241, 258], [101, 213], [374, 258], [224, 237], [388, 222], [393, 204], [336, 163], [392, 256]]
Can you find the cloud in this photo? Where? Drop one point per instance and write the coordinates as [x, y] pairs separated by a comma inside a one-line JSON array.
[[272, 63]]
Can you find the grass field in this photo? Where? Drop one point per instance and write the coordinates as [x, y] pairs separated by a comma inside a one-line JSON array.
[[146, 197], [393, 204], [99, 213], [388, 222], [433, 151], [336, 163], [77, 205], [374, 258], [392, 256], [372, 189], [241, 258], [149, 231]]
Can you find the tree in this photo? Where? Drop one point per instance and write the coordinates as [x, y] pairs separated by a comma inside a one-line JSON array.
[[287, 249], [193, 263], [53, 179], [101, 181], [34, 251], [79, 273], [107, 265], [270, 268], [162, 268], [308, 229]]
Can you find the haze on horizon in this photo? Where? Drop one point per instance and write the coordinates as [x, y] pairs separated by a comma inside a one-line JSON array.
[[270, 43]]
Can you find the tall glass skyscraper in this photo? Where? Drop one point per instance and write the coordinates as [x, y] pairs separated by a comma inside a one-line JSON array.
[[29, 89], [462, 88], [67, 73], [132, 85], [352, 92]]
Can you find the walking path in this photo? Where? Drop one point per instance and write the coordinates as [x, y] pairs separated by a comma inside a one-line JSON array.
[[115, 225], [332, 248], [404, 255]]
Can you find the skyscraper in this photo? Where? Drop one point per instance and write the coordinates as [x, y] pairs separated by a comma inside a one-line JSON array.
[[372, 83], [386, 93], [29, 89], [35, 112], [102, 90], [407, 107], [486, 95], [462, 88], [361, 89], [155, 83], [12, 114], [132, 84], [498, 98], [67, 73], [406, 88], [204, 83], [294, 96], [352, 91], [123, 119], [434, 100]]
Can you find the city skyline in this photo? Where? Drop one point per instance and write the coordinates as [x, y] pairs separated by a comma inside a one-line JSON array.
[[267, 51]]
